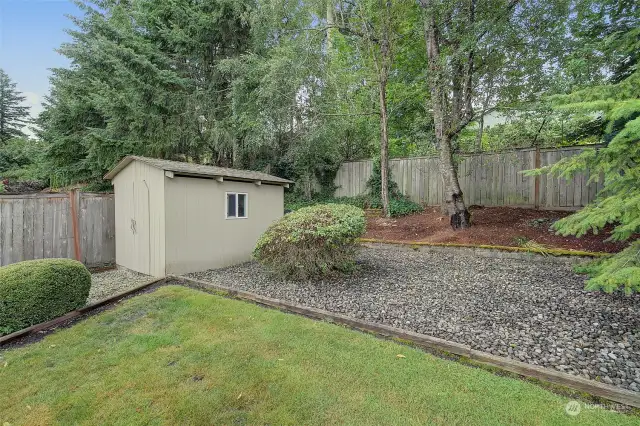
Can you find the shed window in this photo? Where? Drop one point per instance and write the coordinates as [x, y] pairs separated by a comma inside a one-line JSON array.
[[236, 205]]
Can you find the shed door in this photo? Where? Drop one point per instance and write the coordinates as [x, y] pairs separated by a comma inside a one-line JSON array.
[[132, 213], [139, 226]]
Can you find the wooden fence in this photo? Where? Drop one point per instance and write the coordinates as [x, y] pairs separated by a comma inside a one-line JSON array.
[[491, 179], [74, 225]]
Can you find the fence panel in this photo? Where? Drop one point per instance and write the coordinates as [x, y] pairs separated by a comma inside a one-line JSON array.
[[97, 229], [37, 226], [488, 179]]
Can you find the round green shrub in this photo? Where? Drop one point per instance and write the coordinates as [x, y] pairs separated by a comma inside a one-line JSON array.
[[312, 241], [36, 291]]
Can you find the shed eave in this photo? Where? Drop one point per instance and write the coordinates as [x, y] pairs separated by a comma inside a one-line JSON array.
[[118, 167], [179, 172], [224, 178]]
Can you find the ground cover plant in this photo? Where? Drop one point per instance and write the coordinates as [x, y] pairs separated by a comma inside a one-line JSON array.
[[36, 291], [181, 356], [312, 242]]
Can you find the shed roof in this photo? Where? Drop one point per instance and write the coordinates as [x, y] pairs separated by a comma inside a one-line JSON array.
[[192, 169]]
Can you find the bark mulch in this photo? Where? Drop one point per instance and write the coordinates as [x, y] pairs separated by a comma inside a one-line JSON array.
[[505, 226]]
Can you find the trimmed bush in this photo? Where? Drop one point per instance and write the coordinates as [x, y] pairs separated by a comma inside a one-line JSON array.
[[399, 205], [312, 241], [36, 291]]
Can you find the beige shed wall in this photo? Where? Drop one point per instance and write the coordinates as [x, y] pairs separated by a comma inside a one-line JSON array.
[[198, 235], [140, 219]]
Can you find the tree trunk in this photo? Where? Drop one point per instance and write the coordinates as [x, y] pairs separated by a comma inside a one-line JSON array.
[[460, 217], [479, 134], [454, 202], [384, 149], [330, 24], [384, 136]]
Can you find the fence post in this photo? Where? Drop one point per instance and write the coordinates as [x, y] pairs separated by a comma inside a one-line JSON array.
[[74, 197], [536, 189]]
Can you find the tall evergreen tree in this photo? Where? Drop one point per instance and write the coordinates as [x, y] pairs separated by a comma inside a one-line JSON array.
[[144, 79], [613, 33], [13, 115]]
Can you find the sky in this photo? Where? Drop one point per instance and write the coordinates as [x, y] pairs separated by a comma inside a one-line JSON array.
[[30, 31]]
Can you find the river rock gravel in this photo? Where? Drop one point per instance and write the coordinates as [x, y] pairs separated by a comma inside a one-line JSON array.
[[536, 312], [114, 281]]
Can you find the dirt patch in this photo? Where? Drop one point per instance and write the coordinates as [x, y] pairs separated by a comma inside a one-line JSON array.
[[505, 226]]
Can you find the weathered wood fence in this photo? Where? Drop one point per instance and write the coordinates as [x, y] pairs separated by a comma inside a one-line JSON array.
[[490, 179], [82, 225], [73, 225]]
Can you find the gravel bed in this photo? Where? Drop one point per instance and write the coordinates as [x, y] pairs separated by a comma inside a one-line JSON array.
[[536, 312], [114, 281]]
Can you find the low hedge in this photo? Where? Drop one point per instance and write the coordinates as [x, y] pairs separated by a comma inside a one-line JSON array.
[[36, 291], [399, 205], [312, 241]]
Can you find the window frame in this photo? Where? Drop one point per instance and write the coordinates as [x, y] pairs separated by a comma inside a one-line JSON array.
[[226, 205]]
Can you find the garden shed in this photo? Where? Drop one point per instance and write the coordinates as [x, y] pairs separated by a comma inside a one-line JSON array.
[[174, 217]]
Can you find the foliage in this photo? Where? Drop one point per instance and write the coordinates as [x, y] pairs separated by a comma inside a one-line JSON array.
[[21, 158], [312, 241], [36, 291], [364, 201], [615, 99], [403, 206], [98, 187], [374, 184], [398, 206], [618, 272], [543, 127], [292, 88], [13, 115], [144, 80], [489, 53], [217, 82]]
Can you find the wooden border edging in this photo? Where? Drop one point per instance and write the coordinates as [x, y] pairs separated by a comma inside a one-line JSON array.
[[551, 251], [73, 314], [591, 387]]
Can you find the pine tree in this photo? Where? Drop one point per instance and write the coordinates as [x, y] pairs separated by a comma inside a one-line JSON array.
[[13, 116], [617, 99], [145, 80]]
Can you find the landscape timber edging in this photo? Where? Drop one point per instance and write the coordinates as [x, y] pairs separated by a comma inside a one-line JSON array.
[[496, 252], [591, 387], [74, 314], [577, 383]]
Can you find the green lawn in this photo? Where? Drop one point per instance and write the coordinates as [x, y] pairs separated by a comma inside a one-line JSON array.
[[182, 356]]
